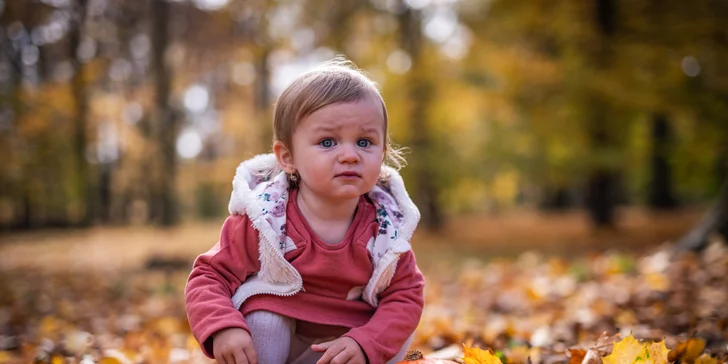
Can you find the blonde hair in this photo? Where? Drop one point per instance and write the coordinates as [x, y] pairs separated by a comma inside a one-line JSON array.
[[338, 80]]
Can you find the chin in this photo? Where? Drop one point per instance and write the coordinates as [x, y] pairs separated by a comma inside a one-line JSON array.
[[349, 194]]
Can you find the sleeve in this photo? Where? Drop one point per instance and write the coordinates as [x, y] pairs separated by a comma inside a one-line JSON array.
[[216, 275], [396, 317]]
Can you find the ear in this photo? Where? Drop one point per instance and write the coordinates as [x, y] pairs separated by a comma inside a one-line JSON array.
[[284, 157]]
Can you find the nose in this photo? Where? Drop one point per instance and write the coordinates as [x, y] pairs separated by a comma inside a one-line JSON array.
[[348, 154]]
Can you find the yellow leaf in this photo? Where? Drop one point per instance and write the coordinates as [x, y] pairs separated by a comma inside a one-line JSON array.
[[51, 327], [706, 359], [109, 360], [476, 355], [167, 325], [656, 353], [627, 350], [113, 356], [657, 281]]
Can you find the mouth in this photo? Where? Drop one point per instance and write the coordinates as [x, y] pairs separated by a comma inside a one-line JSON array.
[[348, 175]]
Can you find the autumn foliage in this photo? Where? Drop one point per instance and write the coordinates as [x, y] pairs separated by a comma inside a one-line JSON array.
[[604, 308]]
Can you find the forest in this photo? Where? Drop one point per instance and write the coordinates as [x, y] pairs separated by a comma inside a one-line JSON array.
[[570, 156]]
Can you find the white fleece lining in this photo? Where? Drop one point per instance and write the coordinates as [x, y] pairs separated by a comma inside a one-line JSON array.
[[273, 266]]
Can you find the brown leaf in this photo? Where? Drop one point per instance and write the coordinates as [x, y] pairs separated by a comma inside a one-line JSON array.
[[577, 355], [688, 350]]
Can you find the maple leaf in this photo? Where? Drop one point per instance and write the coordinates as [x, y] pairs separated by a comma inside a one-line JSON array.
[[476, 355], [657, 352], [629, 350]]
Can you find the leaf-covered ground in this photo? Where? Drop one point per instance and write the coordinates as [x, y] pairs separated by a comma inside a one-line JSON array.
[[532, 307], [551, 309]]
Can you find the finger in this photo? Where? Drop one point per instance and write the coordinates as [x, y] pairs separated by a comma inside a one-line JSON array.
[[342, 357], [221, 359], [330, 354], [240, 357], [321, 347], [251, 354]]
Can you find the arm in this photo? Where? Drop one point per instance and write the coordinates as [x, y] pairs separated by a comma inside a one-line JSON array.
[[399, 311], [215, 276]]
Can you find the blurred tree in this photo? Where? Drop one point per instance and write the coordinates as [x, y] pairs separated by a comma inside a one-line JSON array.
[[79, 85], [661, 192], [602, 179], [502, 103], [17, 18], [166, 126], [420, 91], [263, 45]]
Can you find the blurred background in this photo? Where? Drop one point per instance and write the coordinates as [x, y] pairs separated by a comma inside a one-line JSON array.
[[137, 112], [550, 126]]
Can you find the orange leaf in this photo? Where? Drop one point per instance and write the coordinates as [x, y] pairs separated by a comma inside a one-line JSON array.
[[577, 356], [706, 359], [476, 355], [687, 350]]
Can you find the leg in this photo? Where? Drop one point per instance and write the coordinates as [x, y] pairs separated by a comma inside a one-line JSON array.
[[271, 334], [301, 352]]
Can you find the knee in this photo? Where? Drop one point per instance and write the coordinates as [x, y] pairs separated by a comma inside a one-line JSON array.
[[266, 321]]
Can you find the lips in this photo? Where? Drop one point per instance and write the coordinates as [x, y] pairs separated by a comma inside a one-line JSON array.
[[348, 174]]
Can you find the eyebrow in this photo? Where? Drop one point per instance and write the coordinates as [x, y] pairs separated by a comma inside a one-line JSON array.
[[325, 128], [330, 129], [371, 130]]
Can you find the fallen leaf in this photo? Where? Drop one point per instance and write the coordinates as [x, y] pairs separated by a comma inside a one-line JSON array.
[[628, 350], [706, 359], [688, 350], [577, 355], [476, 355]]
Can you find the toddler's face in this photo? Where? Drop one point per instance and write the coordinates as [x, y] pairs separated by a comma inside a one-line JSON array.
[[338, 150]]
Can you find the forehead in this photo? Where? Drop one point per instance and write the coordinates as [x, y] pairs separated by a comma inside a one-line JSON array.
[[365, 114]]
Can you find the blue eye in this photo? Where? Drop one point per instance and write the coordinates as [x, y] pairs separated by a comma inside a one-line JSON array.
[[327, 143], [363, 143]]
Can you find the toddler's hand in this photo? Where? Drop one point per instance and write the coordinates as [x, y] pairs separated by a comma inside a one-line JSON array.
[[340, 351], [233, 346]]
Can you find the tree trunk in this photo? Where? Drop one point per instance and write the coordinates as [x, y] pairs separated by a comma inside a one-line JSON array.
[[715, 221], [165, 118], [262, 99], [556, 198], [661, 193], [81, 113], [420, 96], [601, 189], [23, 208], [600, 198]]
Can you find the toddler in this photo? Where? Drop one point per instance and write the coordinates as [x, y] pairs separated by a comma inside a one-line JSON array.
[[314, 263]]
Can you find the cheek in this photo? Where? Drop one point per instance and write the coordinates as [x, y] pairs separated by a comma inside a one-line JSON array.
[[311, 166]]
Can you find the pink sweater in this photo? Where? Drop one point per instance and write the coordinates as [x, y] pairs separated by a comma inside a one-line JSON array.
[[333, 278]]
